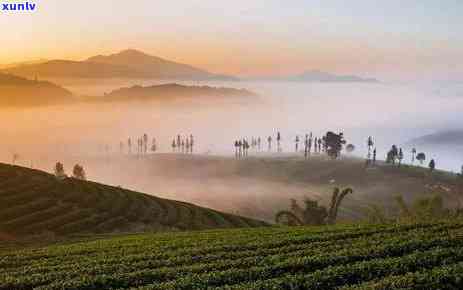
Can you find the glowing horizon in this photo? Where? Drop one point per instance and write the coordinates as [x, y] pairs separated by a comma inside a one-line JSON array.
[[393, 40]]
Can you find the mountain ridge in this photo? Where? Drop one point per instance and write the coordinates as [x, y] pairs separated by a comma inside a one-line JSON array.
[[320, 76], [129, 63], [18, 91], [174, 90]]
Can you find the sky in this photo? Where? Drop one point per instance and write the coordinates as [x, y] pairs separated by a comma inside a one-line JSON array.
[[392, 40]]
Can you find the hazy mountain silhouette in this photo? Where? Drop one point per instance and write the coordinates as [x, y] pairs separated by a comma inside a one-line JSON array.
[[154, 66], [320, 76], [444, 138], [125, 64], [17, 91], [16, 64], [73, 69], [170, 91]]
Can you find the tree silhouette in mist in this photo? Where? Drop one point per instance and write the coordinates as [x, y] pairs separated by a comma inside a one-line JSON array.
[[392, 154], [78, 172], [400, 156], [333, 144], [59, 170], [313, 214], [421, 157], [370, 144]]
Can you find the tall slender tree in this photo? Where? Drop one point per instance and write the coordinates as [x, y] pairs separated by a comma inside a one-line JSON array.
[[400, 156], [370, 144]]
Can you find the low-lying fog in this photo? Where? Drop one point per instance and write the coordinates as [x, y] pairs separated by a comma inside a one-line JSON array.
[[391, 113]]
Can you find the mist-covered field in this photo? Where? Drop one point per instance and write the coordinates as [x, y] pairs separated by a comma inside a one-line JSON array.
[[90, 134]]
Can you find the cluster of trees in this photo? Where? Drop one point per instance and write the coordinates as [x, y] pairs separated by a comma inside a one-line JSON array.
[[396, 155], [183, 145], [242, 147], [313, 213], [142, 145], [78, 171], [331, 144]]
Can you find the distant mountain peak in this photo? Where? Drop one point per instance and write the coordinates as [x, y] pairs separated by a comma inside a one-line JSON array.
[[316, 75], [124, 54], [128, 63]]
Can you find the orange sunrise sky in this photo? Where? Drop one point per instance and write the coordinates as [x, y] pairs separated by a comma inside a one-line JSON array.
[[396, 40]]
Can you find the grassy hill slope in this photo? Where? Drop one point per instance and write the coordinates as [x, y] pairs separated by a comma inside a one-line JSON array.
[[415, 256], [35, 202]]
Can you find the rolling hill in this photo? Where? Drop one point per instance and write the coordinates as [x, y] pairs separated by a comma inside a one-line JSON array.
[[416, 256], [125, 64], [34, 202], [17, 91]]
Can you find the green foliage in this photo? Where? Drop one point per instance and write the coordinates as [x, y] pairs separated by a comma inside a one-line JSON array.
[[424, 209], [375, 214], [313, 214], [414, 256]]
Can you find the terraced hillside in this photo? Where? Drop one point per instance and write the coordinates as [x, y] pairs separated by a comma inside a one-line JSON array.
[[35, 202], [416, 256]]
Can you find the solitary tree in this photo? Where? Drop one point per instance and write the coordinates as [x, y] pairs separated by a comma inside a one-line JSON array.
[[15, 158], [392, 155], [59, 170], [400, 156], [173, 145], [421, 157], [78, 172], [370, 144], [154, 145], [350, 148], [336, 200], [333, 144], [192, 143], [145, 143], [432, 165]]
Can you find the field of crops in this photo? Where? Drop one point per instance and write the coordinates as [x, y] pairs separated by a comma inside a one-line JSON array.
[[34, 202], [417, 256]]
